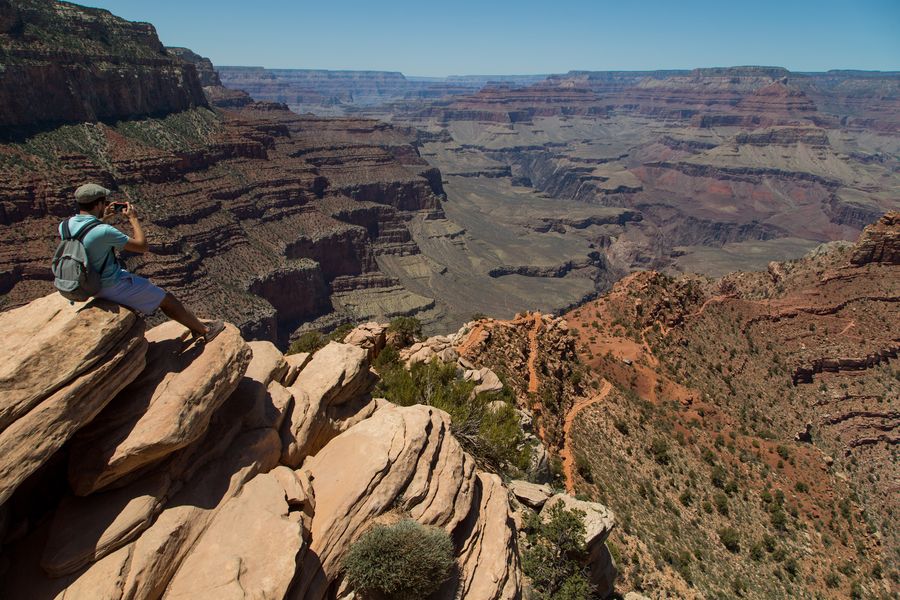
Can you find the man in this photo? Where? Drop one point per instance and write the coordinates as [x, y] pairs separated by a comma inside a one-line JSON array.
[[118, 285]]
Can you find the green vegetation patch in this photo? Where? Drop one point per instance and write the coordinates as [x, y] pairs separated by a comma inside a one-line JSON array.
[[404, 561], [488, 429], [556, 554]]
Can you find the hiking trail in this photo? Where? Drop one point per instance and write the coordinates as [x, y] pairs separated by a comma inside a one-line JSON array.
[[568, 459], [533, 382]]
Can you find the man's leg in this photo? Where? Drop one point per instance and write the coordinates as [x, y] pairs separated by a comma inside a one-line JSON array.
[[176, 311]]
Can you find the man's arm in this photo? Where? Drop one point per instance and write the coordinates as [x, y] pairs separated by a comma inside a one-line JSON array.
[[137, 243]]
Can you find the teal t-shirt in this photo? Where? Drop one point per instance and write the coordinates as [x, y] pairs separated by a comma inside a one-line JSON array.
[[98, 244]]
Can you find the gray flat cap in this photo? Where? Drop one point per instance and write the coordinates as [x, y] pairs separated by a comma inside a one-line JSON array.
[[89, 192]]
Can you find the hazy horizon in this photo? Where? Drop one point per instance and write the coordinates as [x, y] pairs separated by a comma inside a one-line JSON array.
[[524, 38]]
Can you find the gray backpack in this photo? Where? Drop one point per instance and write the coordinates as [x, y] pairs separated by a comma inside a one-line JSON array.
[[74, 277]]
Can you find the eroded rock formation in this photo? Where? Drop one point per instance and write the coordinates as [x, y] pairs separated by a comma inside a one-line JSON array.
[[223, 467], [71, 64]]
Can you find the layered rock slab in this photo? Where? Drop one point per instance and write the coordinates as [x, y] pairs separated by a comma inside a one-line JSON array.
[[249, 550], [165, 409], [64, 364], [404, 458], [332, 388]]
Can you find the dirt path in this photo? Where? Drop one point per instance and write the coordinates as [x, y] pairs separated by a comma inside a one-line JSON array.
[[476, 336], [533, 382], [565, 454], [710, 300]]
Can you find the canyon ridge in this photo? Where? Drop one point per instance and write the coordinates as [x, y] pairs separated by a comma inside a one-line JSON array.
[[601, 334]]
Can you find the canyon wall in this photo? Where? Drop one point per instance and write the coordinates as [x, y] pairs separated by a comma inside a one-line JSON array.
[[65, 63], [254, 214]]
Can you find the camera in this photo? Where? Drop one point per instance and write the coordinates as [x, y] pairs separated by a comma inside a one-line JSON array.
[[119, 206]]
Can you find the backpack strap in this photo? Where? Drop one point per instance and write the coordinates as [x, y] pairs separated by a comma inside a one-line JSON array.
[[67, 232], [85, 229]]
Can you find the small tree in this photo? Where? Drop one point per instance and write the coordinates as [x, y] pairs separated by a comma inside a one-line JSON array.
[[730, 539], [404, 561], [405, 330], [309, 341], [556, 554]]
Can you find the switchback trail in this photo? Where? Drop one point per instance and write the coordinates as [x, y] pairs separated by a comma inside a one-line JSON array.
[[533, 382], [565, 454]]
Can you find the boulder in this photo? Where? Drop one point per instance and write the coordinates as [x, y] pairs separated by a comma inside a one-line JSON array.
[[539, 464], [485, 379], [489, 562], [158, 553], [61, 366], [144, 567], [87, 529], [267, 364], [296, 363], [264, 399], [249, 549], [368, 336], [165, 409], [334, 386], [532, 495], [405, 459], [439, 347], [48, 343]]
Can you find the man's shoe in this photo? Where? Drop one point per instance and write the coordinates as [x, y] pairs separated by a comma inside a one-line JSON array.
[[213, 328]]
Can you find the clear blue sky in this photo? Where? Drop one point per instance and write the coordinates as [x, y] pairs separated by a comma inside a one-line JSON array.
[[504, 37]]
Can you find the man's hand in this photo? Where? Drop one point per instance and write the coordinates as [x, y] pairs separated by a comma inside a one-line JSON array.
[[130, 212], [109, 211], [138, 243]]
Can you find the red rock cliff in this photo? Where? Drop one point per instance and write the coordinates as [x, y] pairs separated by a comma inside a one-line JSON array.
[[65, 63]]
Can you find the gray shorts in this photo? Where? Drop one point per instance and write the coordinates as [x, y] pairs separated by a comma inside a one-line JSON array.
[[134, 292]]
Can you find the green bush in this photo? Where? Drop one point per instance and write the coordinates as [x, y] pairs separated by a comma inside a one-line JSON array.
[[404, 561], [406, 329], [659, 448], [721, 501], [307, 342], [583, 466], [311, 341], [730, 538], [493, 435], [555, 555]]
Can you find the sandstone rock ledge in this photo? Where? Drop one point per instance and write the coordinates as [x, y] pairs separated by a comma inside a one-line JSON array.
[[216, 471]]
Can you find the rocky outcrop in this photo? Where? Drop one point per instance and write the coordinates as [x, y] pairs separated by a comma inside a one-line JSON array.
[[195, 503], [371, 337], [532, 495], [70, 63], [332, 388], [165, 409], [61, 365], [405, 459], [438, 346], [485, 380], [598, 524], [880, 242]]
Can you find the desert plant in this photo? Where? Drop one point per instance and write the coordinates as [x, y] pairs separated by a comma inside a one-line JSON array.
[[490, 431], [309, 341], [730, 538], [555, 555], [404, 561], [405, 329], [659, 448]]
